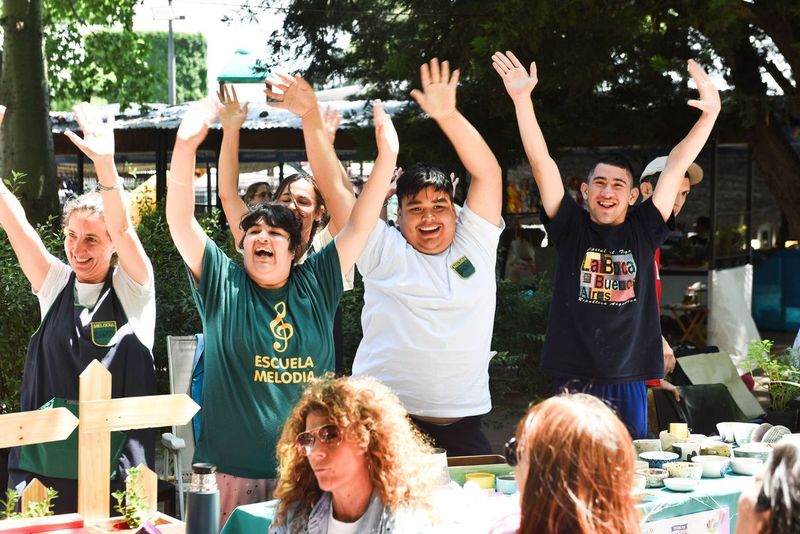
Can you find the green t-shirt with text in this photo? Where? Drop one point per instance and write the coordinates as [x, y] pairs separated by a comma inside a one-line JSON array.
[[262, 347]]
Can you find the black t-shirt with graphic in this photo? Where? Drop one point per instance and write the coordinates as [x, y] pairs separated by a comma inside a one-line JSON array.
[[604, 320]]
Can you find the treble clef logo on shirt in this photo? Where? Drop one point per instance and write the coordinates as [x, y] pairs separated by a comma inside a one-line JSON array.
[[281, 331]]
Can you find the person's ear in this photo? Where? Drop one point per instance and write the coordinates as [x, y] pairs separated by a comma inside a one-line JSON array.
[[634, 196], [585, 190], [647, 189]]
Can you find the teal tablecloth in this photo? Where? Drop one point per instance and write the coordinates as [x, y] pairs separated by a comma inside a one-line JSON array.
[[659, 504], [712, 493]]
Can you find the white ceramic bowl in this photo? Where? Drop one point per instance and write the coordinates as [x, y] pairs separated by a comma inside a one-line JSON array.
[[746, 466], [726, 431], [742, 431], [681, 484], [713, 466], [684, 470], [654, 478]]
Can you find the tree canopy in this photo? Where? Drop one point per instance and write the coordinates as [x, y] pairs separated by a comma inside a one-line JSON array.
[[609, 71]]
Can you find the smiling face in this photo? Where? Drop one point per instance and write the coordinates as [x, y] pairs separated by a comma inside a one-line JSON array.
[[88, 246], [267, 255], [608, 194], [680, 200], [427, 220], [300, 197], [342, 469]]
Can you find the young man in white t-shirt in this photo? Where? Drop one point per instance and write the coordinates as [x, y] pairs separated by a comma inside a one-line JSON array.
[[429, 289]]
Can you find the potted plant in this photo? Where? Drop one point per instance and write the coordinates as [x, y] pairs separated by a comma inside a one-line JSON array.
[[783, 372]]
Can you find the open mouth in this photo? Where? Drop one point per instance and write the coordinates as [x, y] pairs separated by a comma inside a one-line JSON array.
[[263, 252], [428, 231], [81, 262], [606, 204]]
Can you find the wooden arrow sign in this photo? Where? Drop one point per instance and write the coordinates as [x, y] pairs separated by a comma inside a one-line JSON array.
[[39, 426], [130, 413]]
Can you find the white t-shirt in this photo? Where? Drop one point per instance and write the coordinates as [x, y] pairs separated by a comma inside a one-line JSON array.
[[340, 527], [320, 241], [138, 302], [427, 328]]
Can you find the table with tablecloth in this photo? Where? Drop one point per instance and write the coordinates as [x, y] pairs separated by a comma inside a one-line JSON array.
[[657, 504]]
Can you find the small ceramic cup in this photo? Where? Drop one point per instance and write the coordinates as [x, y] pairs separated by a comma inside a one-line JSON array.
[[654, 478], [506, 484], [684, 470]]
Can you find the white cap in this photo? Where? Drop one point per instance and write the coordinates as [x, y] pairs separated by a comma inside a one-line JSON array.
[[658, 164]]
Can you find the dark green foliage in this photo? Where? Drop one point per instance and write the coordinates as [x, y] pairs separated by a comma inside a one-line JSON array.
[[128, 67]]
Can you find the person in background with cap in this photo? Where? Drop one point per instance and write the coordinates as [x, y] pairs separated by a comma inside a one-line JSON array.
[[647, 184]]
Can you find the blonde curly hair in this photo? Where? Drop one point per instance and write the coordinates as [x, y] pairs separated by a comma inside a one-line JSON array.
[[370, 415]]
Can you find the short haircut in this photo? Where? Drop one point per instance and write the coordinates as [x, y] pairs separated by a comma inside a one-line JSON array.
[[277, 216], [91, 202], [420, 176], [615, 159]]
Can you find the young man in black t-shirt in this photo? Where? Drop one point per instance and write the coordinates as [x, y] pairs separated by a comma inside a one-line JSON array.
[[603, 335]]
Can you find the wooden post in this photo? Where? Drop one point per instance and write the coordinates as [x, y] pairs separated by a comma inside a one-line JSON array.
[[94, 447], [33, 493], [149, 483]]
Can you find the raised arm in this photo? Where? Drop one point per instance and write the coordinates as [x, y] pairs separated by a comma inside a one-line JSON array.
[[98, 145], [186, 232], [353, 238], [687, 150], [32, 256], [438, 99], [297, 96], [519, 84], [231, 116]]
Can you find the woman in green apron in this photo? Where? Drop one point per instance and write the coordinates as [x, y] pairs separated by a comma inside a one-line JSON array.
[[100, 305]]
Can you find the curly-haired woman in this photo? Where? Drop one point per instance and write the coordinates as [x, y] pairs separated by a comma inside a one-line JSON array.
[[350, 461], [574, 468]]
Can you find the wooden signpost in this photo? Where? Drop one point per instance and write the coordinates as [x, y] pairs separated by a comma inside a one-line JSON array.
[[99, 416]]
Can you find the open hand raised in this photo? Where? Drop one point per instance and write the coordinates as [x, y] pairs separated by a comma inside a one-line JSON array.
[[438, 95], [385, 134], [98, 134], [332, 119], [519, 82], [196, 121], [709, 96], [231, 115], [296, 94]]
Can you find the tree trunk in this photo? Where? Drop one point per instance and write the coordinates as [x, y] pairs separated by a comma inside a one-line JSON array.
[[28, 140]]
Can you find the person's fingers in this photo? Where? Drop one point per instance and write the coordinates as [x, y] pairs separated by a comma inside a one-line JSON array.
[[274, 95], [76, 140], [507, 62], [454, 78], [534, 72], [436, 76], [220, 96], [445, 71], [424, 75], [235, 98], [245, 108], [514, 60], [418, 96], [285, 77]]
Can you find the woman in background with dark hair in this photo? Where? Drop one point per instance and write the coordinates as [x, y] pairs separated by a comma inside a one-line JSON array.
[[257, 193], [772, 504], [574, 468]]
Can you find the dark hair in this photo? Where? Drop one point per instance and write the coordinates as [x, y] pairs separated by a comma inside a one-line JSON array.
[[615, 159], [420, 176], [278, 216], [780, 489], [253, 188]]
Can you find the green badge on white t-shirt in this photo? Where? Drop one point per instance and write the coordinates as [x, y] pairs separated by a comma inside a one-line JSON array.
[[463, 267]]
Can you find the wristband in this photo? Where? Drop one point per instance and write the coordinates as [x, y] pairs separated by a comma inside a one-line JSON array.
[[114, 187]]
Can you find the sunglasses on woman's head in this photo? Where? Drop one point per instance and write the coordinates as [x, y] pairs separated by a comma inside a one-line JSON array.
[[328, 435], [511, 452]]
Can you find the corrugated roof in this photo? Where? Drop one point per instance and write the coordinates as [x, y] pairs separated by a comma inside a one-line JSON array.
[[260, 116]]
